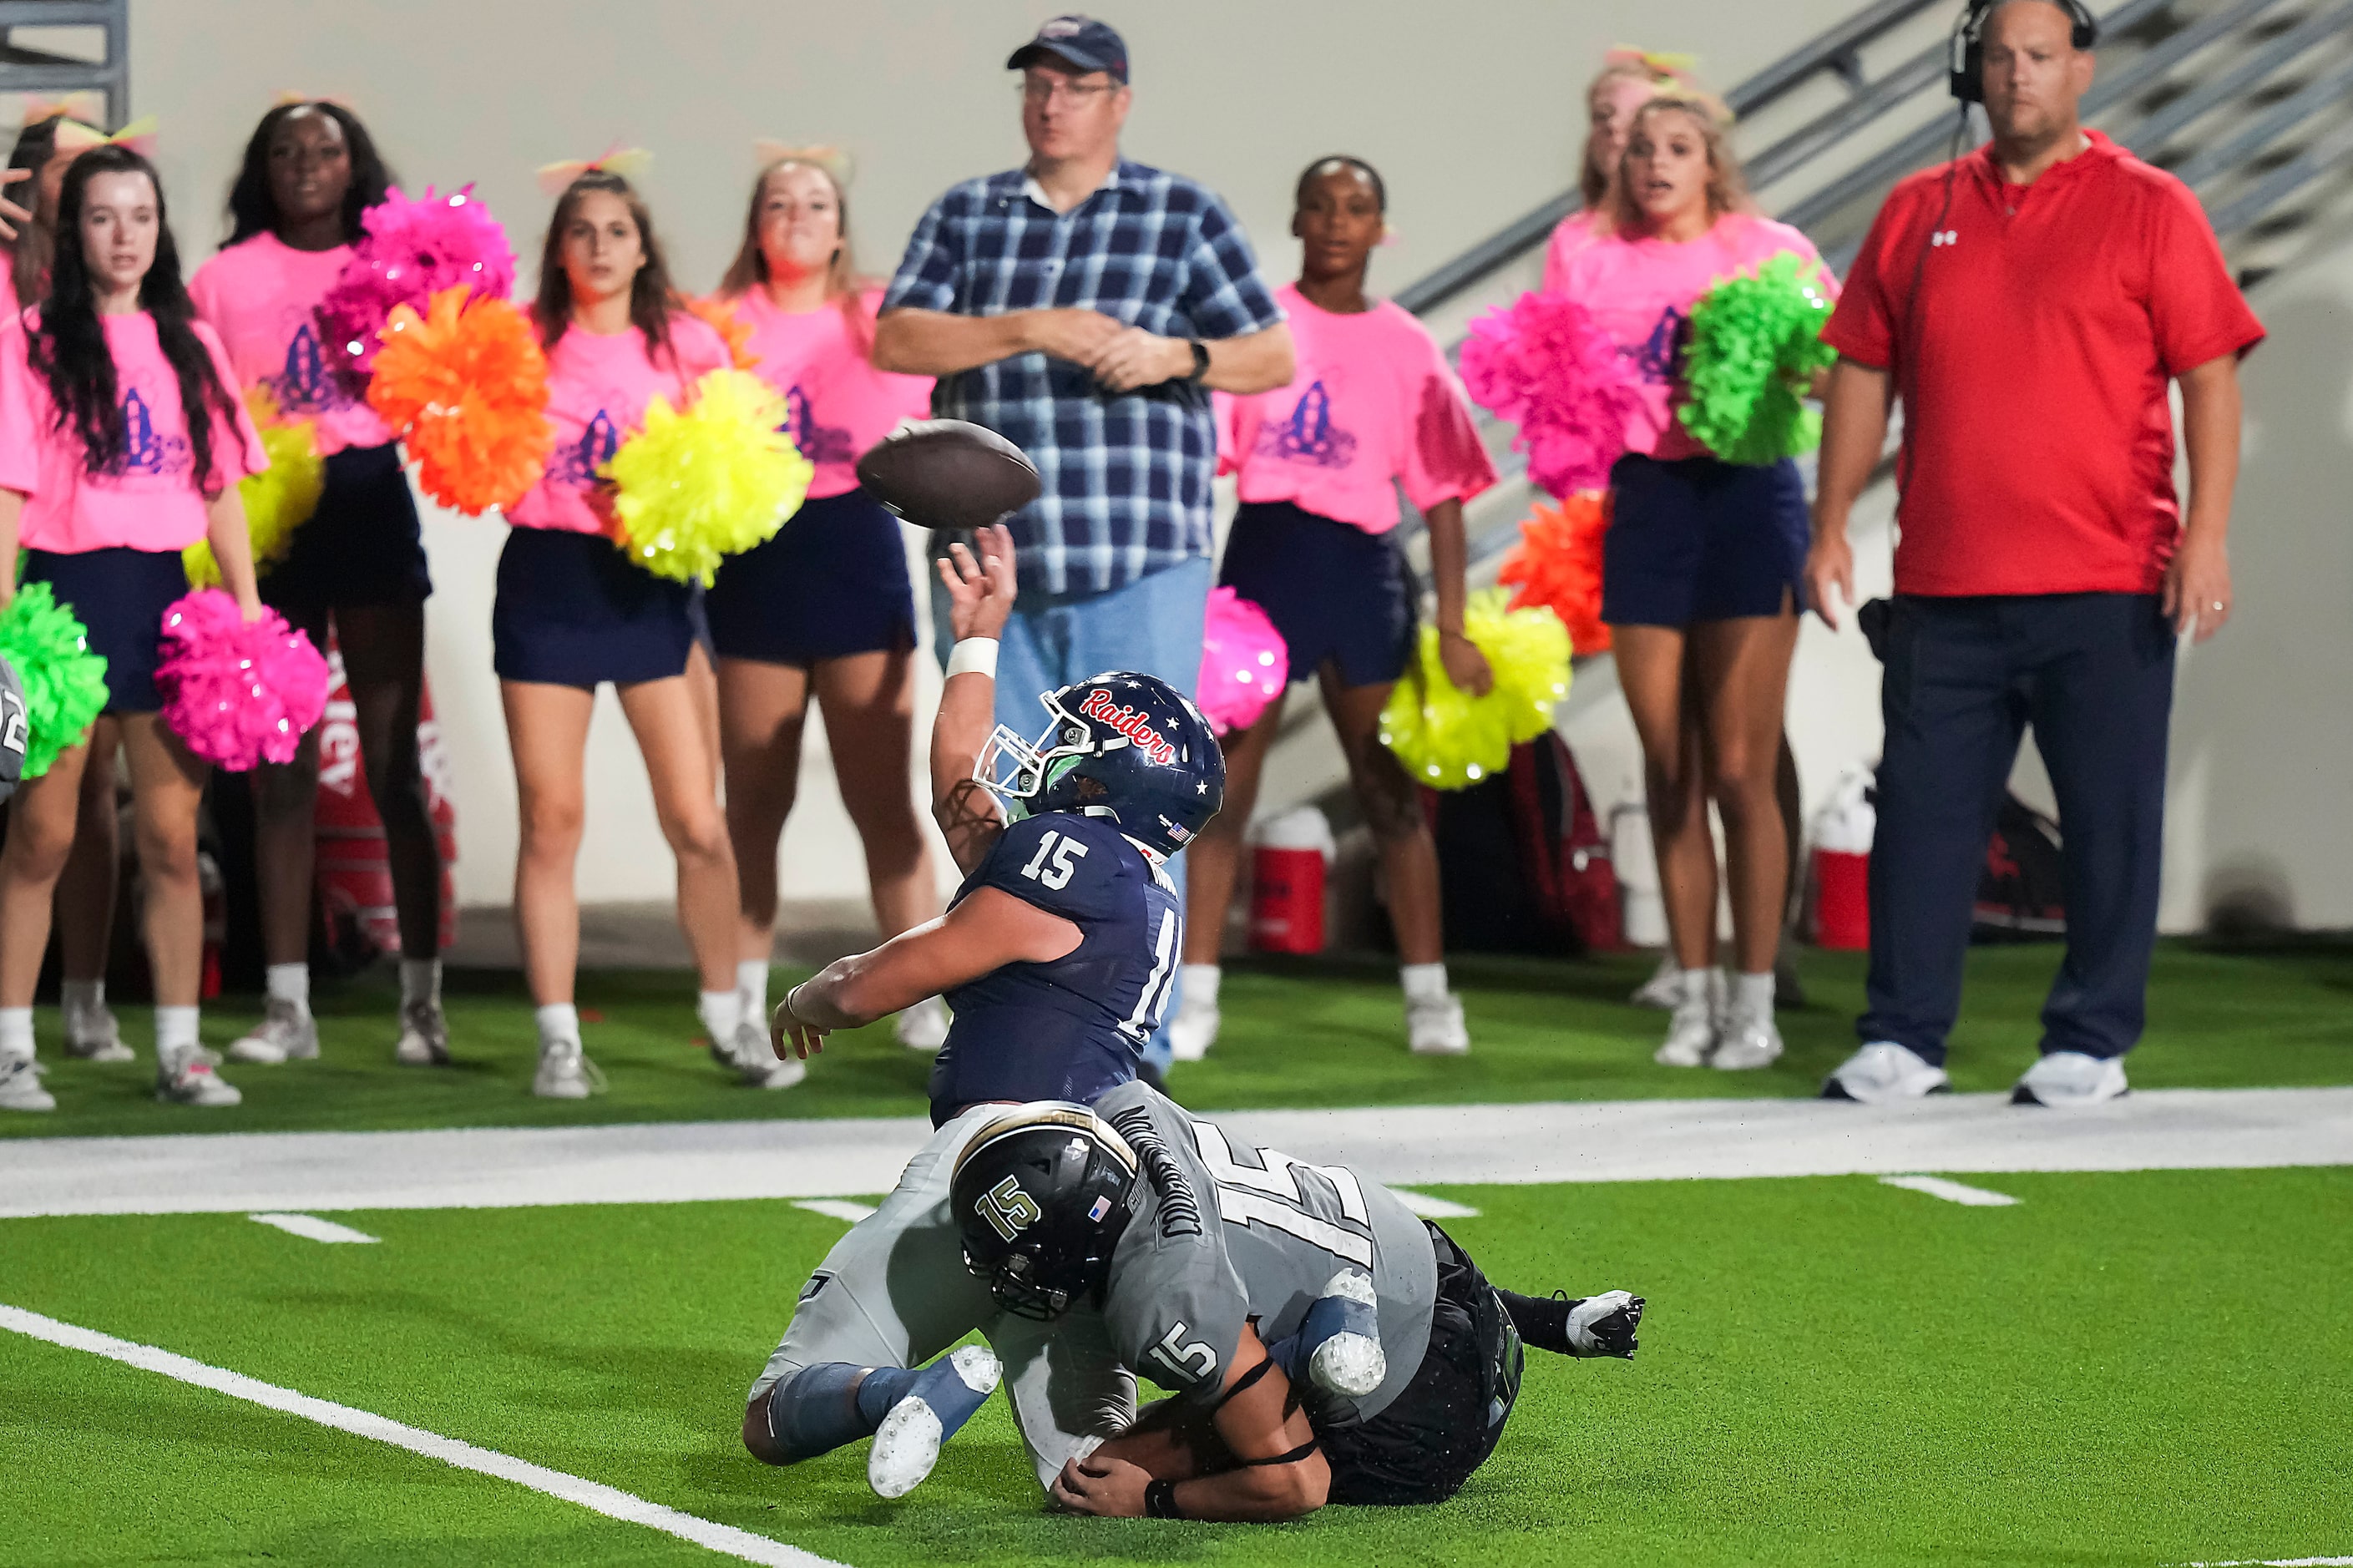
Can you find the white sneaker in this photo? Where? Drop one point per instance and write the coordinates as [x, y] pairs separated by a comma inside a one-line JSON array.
[[756, 1062], [423, 1036], [1746, 1043], [922, 1027], [1662, 990], [1436, 1028], [187, 1078], [2067, 1081], [1884, 1073], [1193, 1030], [565, 1072], [907, 1444], [20, 1085], [1691, 1029], [287, 1033], [94, 1035]]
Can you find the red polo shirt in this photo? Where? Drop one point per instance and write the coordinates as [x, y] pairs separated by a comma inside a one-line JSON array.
[[2033, 366]]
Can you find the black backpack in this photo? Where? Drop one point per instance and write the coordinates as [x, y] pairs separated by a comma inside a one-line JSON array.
[[1524, 866], [2022, 892]]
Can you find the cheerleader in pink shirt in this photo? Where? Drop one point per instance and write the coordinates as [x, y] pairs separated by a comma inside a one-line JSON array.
[[1313, 544], [311, 172], [573, 612], [825, 608], [122, 440]]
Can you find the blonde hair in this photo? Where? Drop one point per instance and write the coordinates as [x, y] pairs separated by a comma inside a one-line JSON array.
[[1592, 181], [1727, 190]]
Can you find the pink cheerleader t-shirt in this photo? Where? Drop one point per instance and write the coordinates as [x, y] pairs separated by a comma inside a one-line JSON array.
[[1641, 291], [1373, 401], [262, 295], [149, 499], [597, 389], [838, 405]]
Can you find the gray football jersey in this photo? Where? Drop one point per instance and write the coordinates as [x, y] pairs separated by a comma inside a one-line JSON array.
[[1227, 1233]]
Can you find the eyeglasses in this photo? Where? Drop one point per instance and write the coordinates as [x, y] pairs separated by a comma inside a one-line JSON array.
[[1045, 89]]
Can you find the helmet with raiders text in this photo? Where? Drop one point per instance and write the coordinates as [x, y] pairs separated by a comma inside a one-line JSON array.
[[1040, 1196], [1123, 745], [15, 731]]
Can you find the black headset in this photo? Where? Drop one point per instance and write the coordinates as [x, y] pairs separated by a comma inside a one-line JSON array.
[[1966, 70]]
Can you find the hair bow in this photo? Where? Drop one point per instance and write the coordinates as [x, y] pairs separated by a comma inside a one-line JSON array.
[[834, 161], [624, 162], [290, 99], [139, 136], [1681, 69], [86, 107]]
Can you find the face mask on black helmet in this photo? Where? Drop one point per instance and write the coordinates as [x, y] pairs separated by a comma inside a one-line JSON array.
[[1123, 745], [1040, 1197]]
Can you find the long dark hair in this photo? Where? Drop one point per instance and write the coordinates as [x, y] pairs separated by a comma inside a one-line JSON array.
[[652, 299], [69, 345], [251, 208], [28, 260]]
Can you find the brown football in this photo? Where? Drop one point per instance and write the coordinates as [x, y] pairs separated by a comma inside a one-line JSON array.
[[945, 473]]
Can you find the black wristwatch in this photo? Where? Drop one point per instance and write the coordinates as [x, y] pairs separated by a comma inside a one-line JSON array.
[[1201, 361], [1160, 1497]]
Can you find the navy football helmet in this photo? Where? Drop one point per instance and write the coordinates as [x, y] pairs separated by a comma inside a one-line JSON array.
[[1040, 1196], [1123, 745]]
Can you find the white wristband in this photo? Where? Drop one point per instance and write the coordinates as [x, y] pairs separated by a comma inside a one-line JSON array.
[[973, 656]]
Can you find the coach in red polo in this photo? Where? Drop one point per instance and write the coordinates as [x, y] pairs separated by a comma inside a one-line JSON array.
[[2031, 304]]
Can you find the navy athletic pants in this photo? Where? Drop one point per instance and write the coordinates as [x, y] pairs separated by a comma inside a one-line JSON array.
[[2094, 674]]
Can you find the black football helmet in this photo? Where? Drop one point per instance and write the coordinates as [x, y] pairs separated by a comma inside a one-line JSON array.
[[1153, 762], [1040, 1196], [15, 731]]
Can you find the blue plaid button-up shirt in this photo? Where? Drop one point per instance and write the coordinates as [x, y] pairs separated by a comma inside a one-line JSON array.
[[1125, 478]]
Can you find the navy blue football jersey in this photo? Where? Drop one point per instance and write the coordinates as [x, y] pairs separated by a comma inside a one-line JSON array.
[[1076, 1027]]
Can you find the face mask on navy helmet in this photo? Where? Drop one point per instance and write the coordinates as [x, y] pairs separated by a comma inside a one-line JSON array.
[[1123, 745]]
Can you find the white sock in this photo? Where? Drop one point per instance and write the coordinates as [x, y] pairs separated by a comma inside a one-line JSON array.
[[289, 983], [557, 1021], [1197, 983], [82, 997], [721, 1013], [175, 1031], [15, 1032], [420, 981], [752, 985], [1752, 994], [1423, 982], [1692, 985]]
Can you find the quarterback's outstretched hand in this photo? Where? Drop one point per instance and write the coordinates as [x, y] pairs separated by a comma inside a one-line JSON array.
[[1604, 1325], [980, 591]]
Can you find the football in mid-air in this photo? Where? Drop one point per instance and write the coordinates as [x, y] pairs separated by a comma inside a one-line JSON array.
[[946, 473]]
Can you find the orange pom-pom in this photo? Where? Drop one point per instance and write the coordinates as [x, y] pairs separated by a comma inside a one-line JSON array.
[[1557, 564], [720, 316], [465, 386]]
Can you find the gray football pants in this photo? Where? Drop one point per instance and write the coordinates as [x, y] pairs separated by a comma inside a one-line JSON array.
[[895, 1292]]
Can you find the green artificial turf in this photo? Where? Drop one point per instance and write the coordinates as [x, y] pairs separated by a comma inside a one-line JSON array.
[[1327, 1032], [2123, 1369]]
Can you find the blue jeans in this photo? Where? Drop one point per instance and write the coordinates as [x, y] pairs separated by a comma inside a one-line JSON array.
[[1152, 625]]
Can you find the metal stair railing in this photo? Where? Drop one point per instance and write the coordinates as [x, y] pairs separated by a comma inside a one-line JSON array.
[[24, 69]]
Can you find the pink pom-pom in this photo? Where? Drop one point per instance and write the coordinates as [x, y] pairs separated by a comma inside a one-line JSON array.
[[415, 246], [1244, 665], [237, 693], [1544, 364]]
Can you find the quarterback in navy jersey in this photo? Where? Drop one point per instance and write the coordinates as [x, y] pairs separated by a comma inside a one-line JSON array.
[[1057, 956]]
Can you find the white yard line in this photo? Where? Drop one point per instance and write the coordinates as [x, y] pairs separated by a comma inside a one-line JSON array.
[[311, 1226], [2277, 1562], [1613, 1140], [1951, 1192], [1429, 1207], [610, 1501], [837, 1208]]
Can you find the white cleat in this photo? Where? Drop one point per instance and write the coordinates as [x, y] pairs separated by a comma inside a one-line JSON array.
[[1884, 1073], [756, 1063], [1350, 1363], [187, 1078], [1691, 1031], [287, 1033], [92, 1034], [20, 1085], [1746, 1043], [565, 1072], [2069, 1080], [423, 1036], [907, 1444], [1193, 1030], [1436, 1028], [922, 1027]]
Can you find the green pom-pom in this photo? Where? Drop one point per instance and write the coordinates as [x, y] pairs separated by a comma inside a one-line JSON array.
[[696, 486], [65, 683], [278, 500], [1755, 343], [1447, 739]]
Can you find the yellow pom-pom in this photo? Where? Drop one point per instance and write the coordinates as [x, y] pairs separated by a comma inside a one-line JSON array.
[[278, 500], [697, 485], [1447, 739]]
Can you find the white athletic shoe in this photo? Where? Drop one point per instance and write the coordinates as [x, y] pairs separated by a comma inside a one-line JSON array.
[[1348, 1363], [922, 1027], [2068, 1080], [756, 1063], [907, 1444], [1662, 990], [93, 1034], [1884, 1073], [287, 1033], [20, 1085], [1436, 1028], [565, 1072], [1691, 1030], [424, 1036], [1193, 1030], [1746, 1043], [187, 1078]]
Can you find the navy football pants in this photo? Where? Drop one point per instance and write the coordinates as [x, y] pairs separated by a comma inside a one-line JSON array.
[[2094, 674]]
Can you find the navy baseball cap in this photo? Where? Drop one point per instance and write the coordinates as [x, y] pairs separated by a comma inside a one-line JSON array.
[[1090, 45]]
